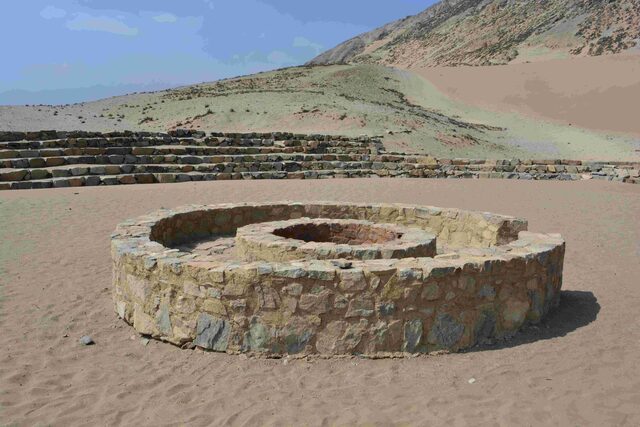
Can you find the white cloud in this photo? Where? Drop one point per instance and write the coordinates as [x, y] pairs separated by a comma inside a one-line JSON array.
[[164, 18], [52, 12], [86, 22], [304, 42]]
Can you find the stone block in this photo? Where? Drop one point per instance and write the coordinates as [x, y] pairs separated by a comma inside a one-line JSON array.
[[39, 174], [92, 181], [76, 181], [127, 179], [61, 182], [212, 333], [55, 161], [17, 175], [37, 162], [165, 177]]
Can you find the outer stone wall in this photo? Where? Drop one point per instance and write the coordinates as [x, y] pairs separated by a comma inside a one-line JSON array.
[[490, 278]]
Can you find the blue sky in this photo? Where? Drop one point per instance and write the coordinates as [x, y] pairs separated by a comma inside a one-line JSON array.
[[62, 51]]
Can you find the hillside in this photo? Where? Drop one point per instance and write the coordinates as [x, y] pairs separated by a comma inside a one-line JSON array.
[[488, 32], [349, 100], [411, 112]]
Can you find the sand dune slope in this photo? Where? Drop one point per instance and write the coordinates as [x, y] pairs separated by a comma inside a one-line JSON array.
[[578, 368], [598, 93]]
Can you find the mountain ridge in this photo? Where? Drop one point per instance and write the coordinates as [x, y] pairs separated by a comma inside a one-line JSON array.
[[491, 32]]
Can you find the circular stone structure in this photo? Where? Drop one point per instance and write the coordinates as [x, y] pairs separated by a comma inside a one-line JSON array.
[[262, 277], [323, 239]]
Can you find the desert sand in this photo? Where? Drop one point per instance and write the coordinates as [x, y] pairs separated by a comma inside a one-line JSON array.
[[600, 93], [577, 368]]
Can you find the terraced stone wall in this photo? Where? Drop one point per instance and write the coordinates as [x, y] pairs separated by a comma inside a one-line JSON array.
[[72, 159]]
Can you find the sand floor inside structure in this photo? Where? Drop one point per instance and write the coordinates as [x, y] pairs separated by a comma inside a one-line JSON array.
[[580, 367]]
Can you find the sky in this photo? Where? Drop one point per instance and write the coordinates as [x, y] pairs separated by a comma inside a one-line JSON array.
[[65, 51]]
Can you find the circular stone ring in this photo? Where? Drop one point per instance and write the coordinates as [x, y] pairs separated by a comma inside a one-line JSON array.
[[260, 278], [323, 239]]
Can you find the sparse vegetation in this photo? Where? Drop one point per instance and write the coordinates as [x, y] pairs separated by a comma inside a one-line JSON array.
[[342, 99], [477, 32]]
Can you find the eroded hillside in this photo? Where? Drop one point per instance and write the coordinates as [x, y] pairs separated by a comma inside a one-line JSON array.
[[487, 32]]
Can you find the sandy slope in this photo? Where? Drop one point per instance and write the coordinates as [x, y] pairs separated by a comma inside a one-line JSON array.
[[579, 368], [598, 93]]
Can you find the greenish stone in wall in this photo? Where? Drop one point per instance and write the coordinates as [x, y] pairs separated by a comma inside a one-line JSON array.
[[412, 335], [431, 292], [485, 326], [446, 331], [258, 336], [163, 320], [212, 333], [487, 291], [537, 306], [386, 308], [295, 343]]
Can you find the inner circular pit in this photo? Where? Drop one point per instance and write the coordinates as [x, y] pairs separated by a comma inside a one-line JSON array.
[[340, 232], [324, 239]]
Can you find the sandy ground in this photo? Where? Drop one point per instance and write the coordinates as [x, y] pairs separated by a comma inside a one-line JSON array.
[[598, 93], [578, 368]]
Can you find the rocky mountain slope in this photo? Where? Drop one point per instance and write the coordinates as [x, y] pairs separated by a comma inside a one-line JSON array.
[[487, 32]]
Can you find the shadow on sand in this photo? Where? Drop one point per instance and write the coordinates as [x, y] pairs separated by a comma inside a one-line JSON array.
[[576, 309]]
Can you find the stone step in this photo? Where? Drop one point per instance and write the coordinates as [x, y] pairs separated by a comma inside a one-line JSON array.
[[153, 178], [99, 170], [194, 155], [178, 133], [44, 162], [154, 141], [170, 150], [249, 164], [52, 134], [88, 142], [166, 177]]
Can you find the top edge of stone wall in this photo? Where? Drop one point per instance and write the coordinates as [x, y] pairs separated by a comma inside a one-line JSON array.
[[46, 135], [144, 230]]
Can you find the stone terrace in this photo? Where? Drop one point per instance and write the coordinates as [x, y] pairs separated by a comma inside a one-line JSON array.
[[48, 159]]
